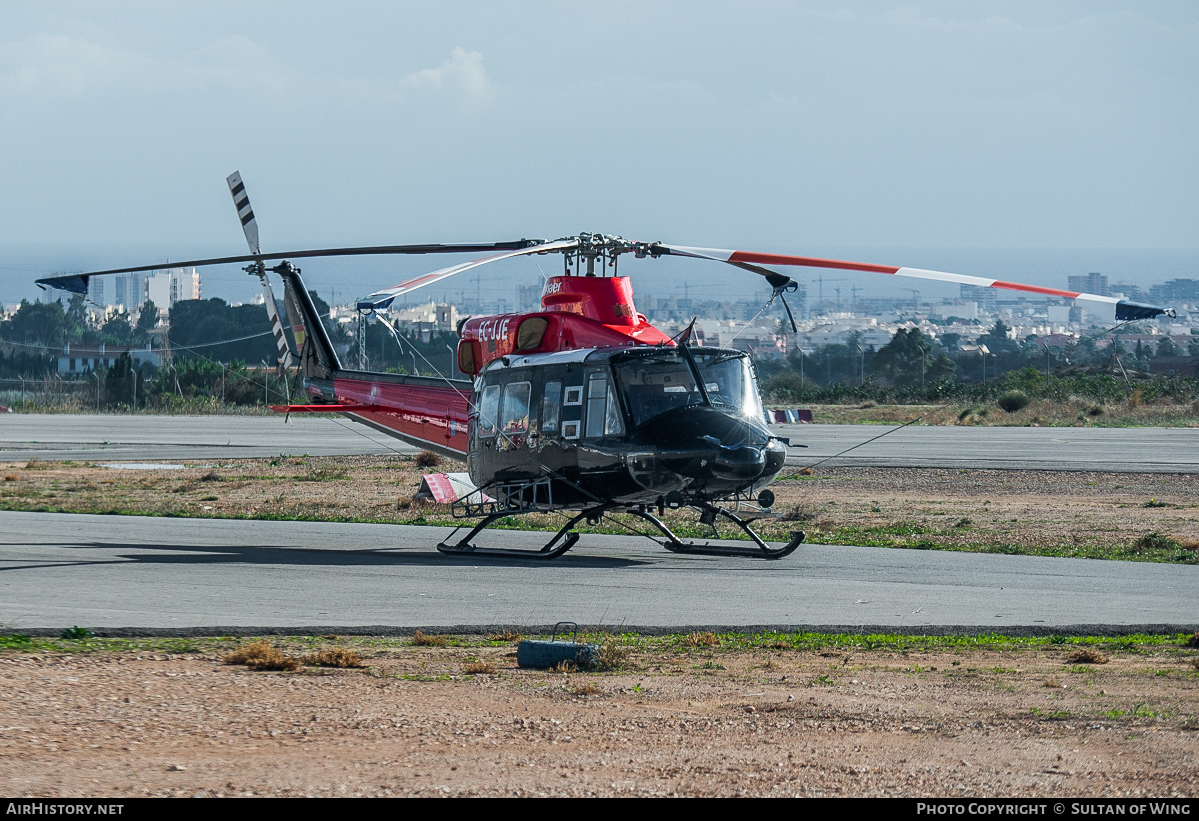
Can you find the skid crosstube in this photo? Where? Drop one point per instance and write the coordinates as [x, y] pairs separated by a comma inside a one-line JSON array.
[[565, 539]]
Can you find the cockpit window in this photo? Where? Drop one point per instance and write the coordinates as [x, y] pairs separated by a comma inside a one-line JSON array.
[[654, 385], [730, 382], [662, 382]]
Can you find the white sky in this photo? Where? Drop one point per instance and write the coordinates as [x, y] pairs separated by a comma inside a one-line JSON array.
[[813, 127]]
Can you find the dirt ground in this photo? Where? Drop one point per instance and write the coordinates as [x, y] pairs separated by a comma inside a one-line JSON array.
[[1006, 720], [1102, 515]]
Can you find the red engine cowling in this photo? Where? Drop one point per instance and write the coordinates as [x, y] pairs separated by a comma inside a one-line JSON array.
[[578, 312]]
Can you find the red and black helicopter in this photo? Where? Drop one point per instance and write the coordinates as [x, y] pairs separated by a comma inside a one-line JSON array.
[[583, 406]]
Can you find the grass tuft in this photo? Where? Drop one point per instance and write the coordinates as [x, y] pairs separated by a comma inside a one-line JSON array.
[[611, 654], [1155, 541], [211, 476], [505, 635], [421, 640], [701, 640], [427, 459], [77, 633], [477, 668], [1088, 656], [260, 655], [566, 667], [1192, 640], [590, 688], [10, 477], [334, 657]]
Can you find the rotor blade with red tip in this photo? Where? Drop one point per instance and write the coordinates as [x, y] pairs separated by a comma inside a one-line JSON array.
[[1103, 308], [381, 299]]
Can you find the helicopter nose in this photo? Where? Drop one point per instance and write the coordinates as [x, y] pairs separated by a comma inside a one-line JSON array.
[[741, 464]]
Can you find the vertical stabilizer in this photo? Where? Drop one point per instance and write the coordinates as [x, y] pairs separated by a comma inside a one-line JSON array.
[[317, 358]]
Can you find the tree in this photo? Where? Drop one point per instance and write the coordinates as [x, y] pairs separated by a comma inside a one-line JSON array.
[[117, 330], [147, 319], [118, 382], [1193, 347], [908, 359], [1167, 347], [201, 322], [997, 340], [38, 323]]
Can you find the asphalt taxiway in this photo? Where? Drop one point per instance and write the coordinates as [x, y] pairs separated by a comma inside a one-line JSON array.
[[210, 575], [142, 438]]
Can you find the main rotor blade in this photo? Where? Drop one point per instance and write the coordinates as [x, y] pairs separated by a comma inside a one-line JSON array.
[[77, 283], [381, 299], [1103, 307]]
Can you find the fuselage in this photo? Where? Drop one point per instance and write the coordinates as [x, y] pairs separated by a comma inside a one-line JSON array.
[[586, 396]]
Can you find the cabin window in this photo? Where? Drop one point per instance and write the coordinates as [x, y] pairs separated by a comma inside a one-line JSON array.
[[574, 396], [603, 411], [597, 400], [549, 406], [515, 416], [613, 424], [489, 410]]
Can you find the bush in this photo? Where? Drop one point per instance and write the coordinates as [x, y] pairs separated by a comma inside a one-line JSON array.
[[1012, 401]]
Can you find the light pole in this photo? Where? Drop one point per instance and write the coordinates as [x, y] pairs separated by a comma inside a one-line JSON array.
[[97, 375], [266, 400], [453, 356]]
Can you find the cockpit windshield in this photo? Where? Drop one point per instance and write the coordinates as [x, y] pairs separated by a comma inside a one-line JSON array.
[[662, 381]]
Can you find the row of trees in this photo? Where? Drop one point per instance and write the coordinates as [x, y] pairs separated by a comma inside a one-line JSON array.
[[915, 367]]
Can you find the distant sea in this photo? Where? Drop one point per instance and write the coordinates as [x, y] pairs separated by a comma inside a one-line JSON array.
[[343, 279]]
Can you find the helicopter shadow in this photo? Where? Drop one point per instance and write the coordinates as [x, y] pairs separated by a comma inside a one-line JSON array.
[[311, 557]]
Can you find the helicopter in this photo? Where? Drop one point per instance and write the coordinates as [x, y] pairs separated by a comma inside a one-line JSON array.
[[584, 407]]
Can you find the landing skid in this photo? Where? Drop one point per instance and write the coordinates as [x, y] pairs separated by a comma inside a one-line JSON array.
[[764, 551], [565, 539]]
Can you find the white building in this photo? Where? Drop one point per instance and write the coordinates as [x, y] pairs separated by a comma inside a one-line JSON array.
[[165, 288]]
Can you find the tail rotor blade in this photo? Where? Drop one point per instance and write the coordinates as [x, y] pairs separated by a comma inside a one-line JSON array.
[[241, 201]]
